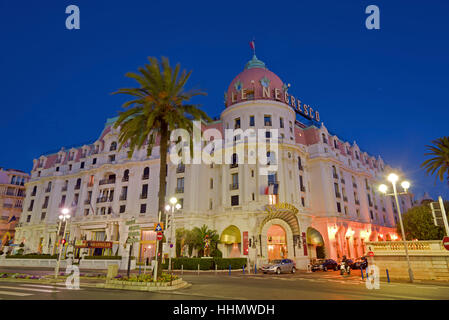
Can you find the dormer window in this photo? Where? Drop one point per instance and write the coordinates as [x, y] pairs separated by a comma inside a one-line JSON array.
[[113, 146], [324, 138]]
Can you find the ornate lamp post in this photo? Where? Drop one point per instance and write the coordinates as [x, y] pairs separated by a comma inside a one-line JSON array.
[[393, 178], [171, 207], [63, 217]]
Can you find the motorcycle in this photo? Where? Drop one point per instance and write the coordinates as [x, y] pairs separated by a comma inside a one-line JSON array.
[[344, 268]]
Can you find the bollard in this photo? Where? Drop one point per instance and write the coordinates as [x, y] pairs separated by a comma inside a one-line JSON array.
[[255, 268], [388, 276], [361, 271], [229, 269], [243, 267], [182, 269], [215, 269], [198, 269], [139, 269]]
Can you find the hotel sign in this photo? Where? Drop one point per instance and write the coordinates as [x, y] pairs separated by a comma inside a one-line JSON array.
[[265, 92], [281, 207]]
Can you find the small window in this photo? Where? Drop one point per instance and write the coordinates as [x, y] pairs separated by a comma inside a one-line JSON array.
[[338, 207], [267, 120], [237, 123], [82, 165], [235, 200], [43, 215], [57, 169], [281, 122], [94, 161], [251, 121], [303, 201], [143, 208]]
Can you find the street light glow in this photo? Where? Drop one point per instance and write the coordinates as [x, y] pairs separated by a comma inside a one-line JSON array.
[[65, 211], [393, 177], [167, 207], [178, 206], [173, 200], [383, 188], [405, 185]]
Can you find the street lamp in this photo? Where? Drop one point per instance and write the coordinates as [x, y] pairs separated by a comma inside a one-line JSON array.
[[63, 217], [174, 205], [393, 178]]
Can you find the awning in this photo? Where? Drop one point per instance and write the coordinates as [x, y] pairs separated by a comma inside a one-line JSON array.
[[231, 235], [314, 237]]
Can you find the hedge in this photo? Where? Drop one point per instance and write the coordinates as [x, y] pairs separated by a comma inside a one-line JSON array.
[[32, 256], [205, 263], [102, 257]]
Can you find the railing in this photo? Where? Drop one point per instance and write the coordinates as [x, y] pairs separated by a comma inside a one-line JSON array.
[[432, 247], [87, 201], [123, 197], [179, 190], [181, 169], [145, 176], [233, 165], [8, 205], [233, 186], [144, 196], [101, 199], [106, 181], [125, 179], [10, 193]]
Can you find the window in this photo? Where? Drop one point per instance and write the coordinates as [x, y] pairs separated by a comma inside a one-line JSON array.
[[28, 218], [30, 208], [181, 202], [268, 134], [144, 194], [235, 181], [299, 163], [78, 184], [251, 121], [180, 185], [43, 215], [267, 120], [111, 158], [82, 165], [146, 173], [70, 167], [57, 169], [86, 212], [113, 146], [253, 196], [346, 211], [94, 161], [338, 207], [371, 214], [291, 126], [324, 138], [235, 200], [281, 122], [122, 209], [271, 158], [75, 199], [237, 123], [45, 205], [143, 208], [211, 183], [211, 204], [252, 173], [357, 211], [303, 201]]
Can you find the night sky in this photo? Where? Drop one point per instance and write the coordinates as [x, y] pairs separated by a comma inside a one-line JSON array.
[[386, 89]]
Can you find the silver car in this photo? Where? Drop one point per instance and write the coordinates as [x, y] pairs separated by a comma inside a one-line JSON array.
[[279, 266]]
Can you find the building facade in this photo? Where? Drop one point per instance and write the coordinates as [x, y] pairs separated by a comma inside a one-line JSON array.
[[12, 194], [321, 200]]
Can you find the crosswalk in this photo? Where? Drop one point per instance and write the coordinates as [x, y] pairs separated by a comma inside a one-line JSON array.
[[322, 278], [26, 290]]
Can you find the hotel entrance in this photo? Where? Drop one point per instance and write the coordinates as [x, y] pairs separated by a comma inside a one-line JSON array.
[[277, 243]]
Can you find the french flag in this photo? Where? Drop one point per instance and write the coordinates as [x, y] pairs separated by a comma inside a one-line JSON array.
[[252, 44]]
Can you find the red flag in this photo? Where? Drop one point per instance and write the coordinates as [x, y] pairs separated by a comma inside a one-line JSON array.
[[252, 44]]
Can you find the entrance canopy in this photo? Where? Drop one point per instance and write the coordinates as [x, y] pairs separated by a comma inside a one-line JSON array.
[[314, 237], [231, 235], [283, 211]]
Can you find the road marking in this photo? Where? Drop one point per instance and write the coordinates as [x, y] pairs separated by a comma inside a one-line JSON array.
[[29, 289], [46, 287], [10, 293]]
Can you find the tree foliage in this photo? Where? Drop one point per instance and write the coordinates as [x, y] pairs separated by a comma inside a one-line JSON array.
[[418, 224], [195, 239], [439, 163]]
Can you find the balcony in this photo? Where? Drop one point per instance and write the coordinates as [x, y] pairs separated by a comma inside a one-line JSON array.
[[179, 190], [106, 181], [87, 201], [125, 179], [102, 199], [303, 189], [181, 169], [18, 205], [233, 165], [77, 187], [234, 186], [123, 197]]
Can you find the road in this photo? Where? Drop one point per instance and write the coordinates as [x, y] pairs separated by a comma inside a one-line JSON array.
[[305, 286]]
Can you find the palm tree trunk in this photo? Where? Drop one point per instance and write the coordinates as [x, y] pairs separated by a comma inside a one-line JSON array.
[[162, 185]]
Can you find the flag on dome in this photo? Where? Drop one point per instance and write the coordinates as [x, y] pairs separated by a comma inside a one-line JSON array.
[[252, 44]]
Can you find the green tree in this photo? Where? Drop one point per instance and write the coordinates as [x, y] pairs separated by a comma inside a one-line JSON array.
[[158, 106], [439, 162], [418, 224], [199, 234]]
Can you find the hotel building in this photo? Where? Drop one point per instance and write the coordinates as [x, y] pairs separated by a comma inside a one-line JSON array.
[[322, 200], [12, 194]]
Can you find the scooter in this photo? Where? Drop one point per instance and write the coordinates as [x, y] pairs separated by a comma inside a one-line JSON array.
[[344, 268]]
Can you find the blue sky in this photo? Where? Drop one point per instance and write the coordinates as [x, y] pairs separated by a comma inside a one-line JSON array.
[[386, 89]]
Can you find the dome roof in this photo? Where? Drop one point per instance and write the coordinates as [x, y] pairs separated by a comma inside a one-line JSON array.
[[252, 81]]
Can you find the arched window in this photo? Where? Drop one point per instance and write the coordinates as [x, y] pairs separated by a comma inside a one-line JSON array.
[[324, 138], [146, 173], [299, 163], [113, 146], [234, 160], [126, 175], [78, 184]]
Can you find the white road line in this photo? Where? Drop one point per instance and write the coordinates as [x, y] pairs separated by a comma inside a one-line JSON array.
[[29, 289], [45, 287], [10, 293]]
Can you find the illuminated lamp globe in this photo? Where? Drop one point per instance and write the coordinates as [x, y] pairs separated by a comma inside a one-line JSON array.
[[393, 177], [61, 217], [167, 207], [173, 200], [405, 185], [383, 188], [178, 206], [65, 211]]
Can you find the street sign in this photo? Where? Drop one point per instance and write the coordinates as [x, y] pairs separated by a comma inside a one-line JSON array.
[[158, 227], [159, 236], [446, 243], [370, 254]]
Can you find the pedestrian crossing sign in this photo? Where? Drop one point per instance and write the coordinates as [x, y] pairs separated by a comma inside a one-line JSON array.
[[158, 227]]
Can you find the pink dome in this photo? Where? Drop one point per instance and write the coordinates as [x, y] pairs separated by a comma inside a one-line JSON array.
[[253, 80]]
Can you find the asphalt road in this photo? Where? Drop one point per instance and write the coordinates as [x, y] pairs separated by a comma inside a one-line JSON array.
[[305, 286]]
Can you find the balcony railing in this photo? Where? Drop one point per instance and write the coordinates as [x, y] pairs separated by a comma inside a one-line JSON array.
[[234, 186], [181, 169], [9, 205], [106, 181], [125, 179], [179, 190], [123, 197], [233, 165], [144, 196], [102, 199]]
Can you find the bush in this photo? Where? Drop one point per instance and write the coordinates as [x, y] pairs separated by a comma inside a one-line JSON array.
[[32, 256], [102, 257], [206, 263]]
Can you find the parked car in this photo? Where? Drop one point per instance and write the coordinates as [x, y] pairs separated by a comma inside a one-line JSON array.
[[279, 266], [349, 261], [361, 262], [325, 264]]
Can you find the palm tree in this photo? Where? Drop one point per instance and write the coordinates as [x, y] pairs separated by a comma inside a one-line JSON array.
[[199, 236], [158, 106], [439, 163]]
